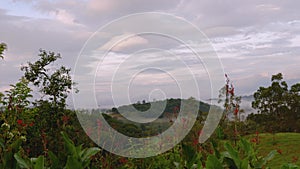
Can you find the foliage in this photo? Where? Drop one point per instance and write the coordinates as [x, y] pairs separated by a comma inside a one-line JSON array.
[[18, 96], [285, 143], [272, 100], [32, 163], [3, 47], [172, 107], [290, 166], [244, 156], [15, 119], [7, 151], [55, 83], [278, 106], [76, 157]]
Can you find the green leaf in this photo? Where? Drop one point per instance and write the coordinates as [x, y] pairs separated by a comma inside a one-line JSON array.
[[39, 163], [69, 145], [290, 166], [73, 163], [220, 133], [54, 160], [245, 164], [2, 143], [78, 150], [271, 155], [233, 154], [247, 147], [23, 163], [87, 153], [189, 154], [8, 159], [263, 161], [16, 145], [215, 147], [212, 162], [177, 165]]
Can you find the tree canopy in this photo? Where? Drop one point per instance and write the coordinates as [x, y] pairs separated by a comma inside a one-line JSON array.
[[53, 82], [3, 47], [279, 103]]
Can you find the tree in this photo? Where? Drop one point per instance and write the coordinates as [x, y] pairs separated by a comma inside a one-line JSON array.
[[294, 106], [114, 110], [279, 104], [55, 83], [295, 98], [18, 95], [272, 99], [3, 47]]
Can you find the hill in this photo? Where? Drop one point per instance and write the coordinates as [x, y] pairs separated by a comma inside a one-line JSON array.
[[164, 107]]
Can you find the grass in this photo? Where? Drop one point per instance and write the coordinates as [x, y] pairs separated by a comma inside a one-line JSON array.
[[287, 143]]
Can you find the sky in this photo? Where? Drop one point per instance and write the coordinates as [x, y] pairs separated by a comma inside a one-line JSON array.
[[251, 39]]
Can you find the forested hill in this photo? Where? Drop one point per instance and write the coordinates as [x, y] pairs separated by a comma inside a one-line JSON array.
[[172, 106]]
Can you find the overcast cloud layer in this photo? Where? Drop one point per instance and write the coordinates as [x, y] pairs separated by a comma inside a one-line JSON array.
[[253, 38]]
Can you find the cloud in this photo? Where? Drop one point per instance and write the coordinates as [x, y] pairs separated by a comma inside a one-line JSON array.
[[101, 5], [95, 13], [295, 41], [236, 13], [63, 16], [268, 7], [254, 38], [25, 36], [123, 42]]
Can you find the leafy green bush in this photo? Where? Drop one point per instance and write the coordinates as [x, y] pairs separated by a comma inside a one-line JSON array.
[[76, 157]]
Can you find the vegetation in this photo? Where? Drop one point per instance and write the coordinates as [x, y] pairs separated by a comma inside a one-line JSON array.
[[278, 106], [2, 49], [285, 143], [172, 107], [43, 133]]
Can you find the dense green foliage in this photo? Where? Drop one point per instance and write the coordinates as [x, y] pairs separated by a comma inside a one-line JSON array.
[[278, 106]]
